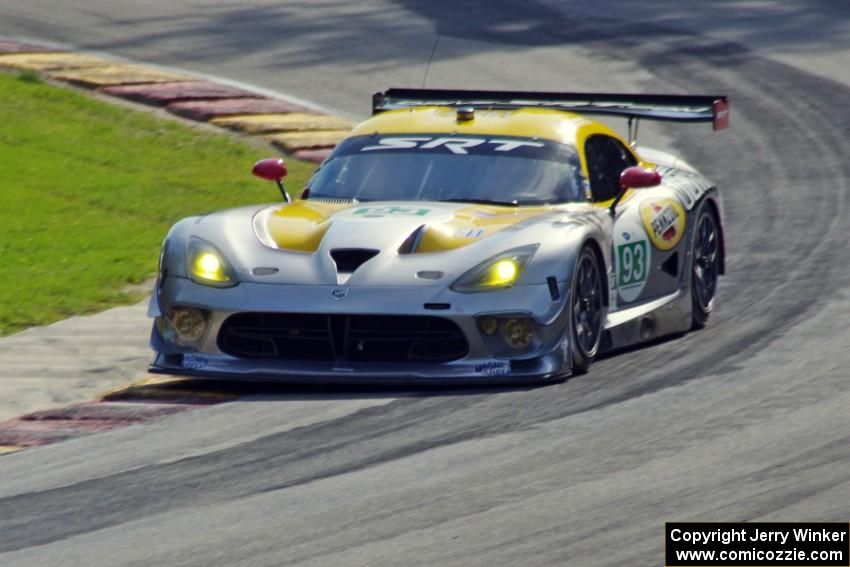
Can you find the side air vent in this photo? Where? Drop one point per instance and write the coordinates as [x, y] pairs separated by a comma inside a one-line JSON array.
[[349, 259], [671, 265]]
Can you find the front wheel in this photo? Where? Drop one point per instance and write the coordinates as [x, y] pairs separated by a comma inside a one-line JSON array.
[[586, 310], [705, 266]]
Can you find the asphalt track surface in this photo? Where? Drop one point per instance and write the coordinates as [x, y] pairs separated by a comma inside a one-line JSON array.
[[745, 420]]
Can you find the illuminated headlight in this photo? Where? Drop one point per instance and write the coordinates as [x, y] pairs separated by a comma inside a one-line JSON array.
[[206, 265], [499, 272]]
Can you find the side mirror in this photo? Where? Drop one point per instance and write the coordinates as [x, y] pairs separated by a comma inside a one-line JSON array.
[[272, 169], [635, 177]]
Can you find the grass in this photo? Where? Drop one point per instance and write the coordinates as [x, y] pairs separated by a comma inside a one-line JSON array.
[[88, 191]]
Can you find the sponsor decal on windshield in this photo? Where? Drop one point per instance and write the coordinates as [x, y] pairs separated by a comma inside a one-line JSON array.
[[451, 143], [445, 167]]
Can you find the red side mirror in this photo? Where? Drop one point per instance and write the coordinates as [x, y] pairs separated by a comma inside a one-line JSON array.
[[271, 169], [636, 177]]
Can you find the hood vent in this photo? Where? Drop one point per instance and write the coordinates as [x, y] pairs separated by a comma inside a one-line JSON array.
[[349, 259], [331, 201], [412, 242]]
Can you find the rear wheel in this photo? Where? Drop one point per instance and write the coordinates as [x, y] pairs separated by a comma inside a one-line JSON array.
[[705, 266], [586, 310]]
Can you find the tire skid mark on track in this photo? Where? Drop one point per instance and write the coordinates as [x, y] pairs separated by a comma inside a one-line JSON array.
[[833, 454], [78, 508]]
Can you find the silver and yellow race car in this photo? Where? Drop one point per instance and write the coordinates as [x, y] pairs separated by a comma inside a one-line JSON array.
[[453, 237]]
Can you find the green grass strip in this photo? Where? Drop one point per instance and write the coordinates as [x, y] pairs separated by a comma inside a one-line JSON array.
[[89, 189]]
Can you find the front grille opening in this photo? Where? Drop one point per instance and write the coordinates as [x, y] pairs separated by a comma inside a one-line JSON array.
[[262, 335], [342, 338], [347, 260], [401, 338]]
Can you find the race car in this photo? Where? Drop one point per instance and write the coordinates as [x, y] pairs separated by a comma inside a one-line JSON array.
[[454, 237]]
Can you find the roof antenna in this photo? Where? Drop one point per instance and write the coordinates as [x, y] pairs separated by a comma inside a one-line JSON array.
[[431, 58], [634, 121]]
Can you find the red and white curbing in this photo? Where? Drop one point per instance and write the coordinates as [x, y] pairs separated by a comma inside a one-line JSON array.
[[126, 406], [194, 99]]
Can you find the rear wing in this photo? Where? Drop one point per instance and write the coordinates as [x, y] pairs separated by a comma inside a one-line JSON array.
[[673, 108]]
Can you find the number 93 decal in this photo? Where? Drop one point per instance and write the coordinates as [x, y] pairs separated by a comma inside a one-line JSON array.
[[632, 256]]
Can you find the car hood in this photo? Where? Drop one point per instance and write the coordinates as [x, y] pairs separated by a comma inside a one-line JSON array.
[[313, 242], [412, 228]]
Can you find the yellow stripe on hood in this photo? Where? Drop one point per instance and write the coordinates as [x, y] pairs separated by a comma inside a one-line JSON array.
[[472, 224], [300, 226]]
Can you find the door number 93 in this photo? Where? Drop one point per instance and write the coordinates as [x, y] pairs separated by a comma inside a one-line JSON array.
[[631, 263]]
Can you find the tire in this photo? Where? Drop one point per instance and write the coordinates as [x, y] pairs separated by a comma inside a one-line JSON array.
[[586, 310], [705, 265]]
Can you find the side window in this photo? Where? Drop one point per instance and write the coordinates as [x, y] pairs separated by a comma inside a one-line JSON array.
[[606, 160]]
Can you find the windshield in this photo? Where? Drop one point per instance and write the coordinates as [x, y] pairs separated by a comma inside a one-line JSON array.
[[517, 171]]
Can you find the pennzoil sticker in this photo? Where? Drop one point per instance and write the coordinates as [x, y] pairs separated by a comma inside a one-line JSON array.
[[664, 220]]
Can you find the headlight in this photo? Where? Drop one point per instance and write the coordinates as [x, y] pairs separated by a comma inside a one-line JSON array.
[[206, 265], [499, 272], [518, 333], [185, 327], [509, 335]]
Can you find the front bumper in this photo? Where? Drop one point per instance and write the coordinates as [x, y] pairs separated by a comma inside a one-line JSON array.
[[549, 361]]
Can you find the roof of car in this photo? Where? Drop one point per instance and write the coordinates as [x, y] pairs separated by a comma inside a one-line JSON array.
[[557, 125]]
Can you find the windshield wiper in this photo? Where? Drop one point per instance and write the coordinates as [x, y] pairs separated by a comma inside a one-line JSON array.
[[482, 202]]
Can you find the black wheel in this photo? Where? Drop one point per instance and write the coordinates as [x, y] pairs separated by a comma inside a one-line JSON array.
[[587, 309], [705, 266]]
